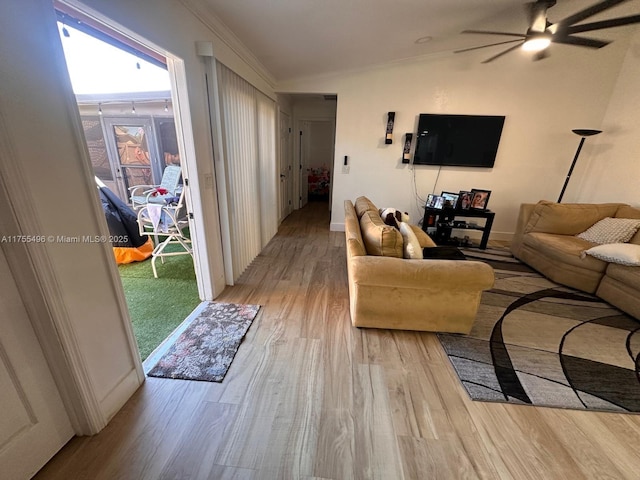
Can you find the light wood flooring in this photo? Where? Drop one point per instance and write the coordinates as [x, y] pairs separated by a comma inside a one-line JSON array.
[[308, 396]]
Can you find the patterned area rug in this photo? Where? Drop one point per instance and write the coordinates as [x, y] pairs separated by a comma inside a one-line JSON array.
[[535, 342], [205, 350]]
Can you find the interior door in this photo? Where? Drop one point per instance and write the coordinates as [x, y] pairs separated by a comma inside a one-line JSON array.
[[34, 424], [304, 147], [286, 167]]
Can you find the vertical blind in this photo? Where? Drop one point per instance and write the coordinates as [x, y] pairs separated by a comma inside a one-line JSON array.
[[248, 130]]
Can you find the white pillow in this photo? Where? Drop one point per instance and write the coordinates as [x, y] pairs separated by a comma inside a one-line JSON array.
[[622, 253], [411, 246], [611, 230]]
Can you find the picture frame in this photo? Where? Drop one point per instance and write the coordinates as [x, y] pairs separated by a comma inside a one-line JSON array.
[[450, 200], [480, 199], [465, 198], [435, 202]]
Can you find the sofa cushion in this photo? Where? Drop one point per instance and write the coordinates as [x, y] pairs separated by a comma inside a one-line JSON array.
[[622, 253], [424, 239], [363, 204], [564, 249], [410, 244], [567, 218], [380, 239], [624, 274], [611, 230]]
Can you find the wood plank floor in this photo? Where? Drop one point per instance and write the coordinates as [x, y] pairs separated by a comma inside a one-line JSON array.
[[308, 396]]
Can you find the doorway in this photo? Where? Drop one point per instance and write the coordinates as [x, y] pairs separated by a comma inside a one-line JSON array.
[[317, 146], [131, 137]]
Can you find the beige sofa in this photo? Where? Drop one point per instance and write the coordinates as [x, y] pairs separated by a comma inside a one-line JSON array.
[[545, 239], [388, 291]]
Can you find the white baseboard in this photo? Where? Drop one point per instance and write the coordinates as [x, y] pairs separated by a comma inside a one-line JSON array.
[[337, 227], [120, 394]]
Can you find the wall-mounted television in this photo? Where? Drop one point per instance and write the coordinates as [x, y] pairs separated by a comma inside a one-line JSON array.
[[458, 140]]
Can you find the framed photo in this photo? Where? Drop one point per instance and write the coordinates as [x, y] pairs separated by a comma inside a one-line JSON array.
[[450, 200], [464, 200], [435, 201], [480, 199]]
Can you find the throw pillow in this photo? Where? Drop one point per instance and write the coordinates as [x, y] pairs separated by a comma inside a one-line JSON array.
[[611, 230], [363, 204], [622, 253], [411, 245], [380, 239]]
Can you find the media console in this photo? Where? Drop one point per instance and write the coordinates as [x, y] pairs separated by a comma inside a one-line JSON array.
[[444, 222]]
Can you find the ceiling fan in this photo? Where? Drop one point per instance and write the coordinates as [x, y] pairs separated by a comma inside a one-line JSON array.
[[541, 33]]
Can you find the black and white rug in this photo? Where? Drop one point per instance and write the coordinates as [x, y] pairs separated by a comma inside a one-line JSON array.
[[538, 343]]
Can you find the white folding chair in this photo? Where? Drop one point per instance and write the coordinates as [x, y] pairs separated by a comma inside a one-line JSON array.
[[166, 223], [140, 195]]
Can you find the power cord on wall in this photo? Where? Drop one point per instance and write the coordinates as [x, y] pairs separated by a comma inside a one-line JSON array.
[[420, 202]]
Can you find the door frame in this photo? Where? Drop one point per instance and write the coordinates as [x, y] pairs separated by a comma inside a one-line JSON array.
[[300, 121], [285, 163], [35, 274], [146, 121]]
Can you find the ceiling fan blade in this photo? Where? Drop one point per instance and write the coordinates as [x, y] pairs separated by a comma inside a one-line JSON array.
[[486, 32], [485, 46], [504, 52], [614, 22], [588, 12], [581, 41]]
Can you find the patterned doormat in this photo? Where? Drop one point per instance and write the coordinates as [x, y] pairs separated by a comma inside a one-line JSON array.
[[535, 342], [205, 349]]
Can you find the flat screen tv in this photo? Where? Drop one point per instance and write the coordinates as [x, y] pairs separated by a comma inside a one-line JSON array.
[[458, 140]]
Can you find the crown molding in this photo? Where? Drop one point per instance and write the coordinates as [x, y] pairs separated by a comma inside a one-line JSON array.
[[226, 35]]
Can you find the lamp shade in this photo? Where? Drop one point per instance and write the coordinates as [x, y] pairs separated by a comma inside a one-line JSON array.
[[584, 132]]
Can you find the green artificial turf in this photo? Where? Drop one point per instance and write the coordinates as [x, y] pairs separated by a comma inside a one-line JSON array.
[[158, 305]]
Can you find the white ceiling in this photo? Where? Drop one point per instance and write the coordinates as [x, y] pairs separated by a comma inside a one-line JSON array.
[[299, 38]]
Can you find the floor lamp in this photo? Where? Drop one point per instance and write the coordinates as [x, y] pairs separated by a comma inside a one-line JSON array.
[[584, 133]]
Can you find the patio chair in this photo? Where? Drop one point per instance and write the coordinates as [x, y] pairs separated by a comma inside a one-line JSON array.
[[166, 224], [169, 187]]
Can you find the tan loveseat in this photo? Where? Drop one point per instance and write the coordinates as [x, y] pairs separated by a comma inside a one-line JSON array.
[[545, 239], [388, 291]]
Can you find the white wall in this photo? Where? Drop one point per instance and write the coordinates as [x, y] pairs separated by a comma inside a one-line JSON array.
[[316, 109], [320, 142], [45, 168], [612, 172], [543, 101]]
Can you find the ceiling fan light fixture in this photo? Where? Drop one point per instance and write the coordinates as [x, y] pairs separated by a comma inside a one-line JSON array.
[[536, 43]]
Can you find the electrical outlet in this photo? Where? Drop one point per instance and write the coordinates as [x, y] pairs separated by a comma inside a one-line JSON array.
[[345, 169]]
